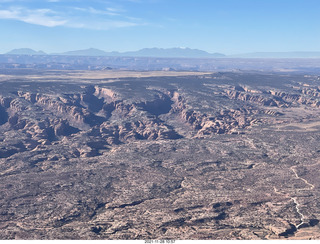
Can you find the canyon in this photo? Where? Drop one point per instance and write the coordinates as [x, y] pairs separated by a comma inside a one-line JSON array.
[[161, 155]]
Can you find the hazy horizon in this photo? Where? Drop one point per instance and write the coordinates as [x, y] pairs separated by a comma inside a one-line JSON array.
[[107, 51], [228, 27]]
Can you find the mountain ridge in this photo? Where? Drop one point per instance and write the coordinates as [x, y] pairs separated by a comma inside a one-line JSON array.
[[176, 52], [25, 51], [145, 52]]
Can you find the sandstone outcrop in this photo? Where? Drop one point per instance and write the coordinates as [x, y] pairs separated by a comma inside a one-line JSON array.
[[227, 155]]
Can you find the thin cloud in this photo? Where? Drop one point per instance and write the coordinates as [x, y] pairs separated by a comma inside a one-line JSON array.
[[91, 18], [103, 12], [115, 10], [107, 11], [101, 19], [41, 17], [101, 25]]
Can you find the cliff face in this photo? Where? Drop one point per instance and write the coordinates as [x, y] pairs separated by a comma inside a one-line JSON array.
[[120, 114], [97, 111], [216, 156]]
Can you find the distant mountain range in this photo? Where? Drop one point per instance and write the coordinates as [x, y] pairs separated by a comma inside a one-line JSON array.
[[146, 52], [174, 52], [168, 53], [25, 51], [85, 52]]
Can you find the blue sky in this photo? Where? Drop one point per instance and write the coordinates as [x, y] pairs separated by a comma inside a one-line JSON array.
[[226, 26]]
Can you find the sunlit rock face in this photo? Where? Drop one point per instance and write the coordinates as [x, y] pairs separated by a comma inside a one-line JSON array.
[[227, 155]]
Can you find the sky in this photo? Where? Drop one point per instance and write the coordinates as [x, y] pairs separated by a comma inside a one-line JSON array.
[[224, 26]]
